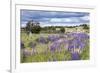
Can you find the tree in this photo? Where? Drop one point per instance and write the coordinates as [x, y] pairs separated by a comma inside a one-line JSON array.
[[36, 29], [62, 30], [29, 27], [85, 26], [33, 27]]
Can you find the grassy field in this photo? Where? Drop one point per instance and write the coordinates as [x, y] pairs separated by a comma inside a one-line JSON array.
[[38, 48]]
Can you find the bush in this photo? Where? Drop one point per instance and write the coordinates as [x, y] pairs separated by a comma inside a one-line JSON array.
[[33, 27], [62, 30], [85, 26], [36, 29]]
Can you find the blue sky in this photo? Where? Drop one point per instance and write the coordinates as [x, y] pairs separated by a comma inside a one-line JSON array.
[[54, 18]]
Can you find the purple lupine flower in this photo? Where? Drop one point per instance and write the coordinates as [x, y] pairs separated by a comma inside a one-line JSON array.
[[75, 56], [70, 45], [82, 45], [65, 41], [75, 44], [32, 44], [78, 35], [22, 45], [42, 40], [55, 46], [53, 38], [79, 43], [26, 52], [83, 35]]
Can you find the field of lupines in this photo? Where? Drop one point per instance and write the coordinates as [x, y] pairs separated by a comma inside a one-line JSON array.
[[54, 47]]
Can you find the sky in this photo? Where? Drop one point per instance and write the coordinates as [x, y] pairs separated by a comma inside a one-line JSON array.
[[54, 18]]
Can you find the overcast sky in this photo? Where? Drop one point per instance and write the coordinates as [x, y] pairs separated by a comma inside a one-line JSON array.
[[54, 18]]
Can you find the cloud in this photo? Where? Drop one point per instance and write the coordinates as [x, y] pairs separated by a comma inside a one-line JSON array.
[[85, 18], [50, 14], [23, 23], [63, 20], [70, 19], [54, 17]]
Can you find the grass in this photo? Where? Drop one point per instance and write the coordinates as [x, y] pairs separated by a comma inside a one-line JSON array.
[[41, 56]]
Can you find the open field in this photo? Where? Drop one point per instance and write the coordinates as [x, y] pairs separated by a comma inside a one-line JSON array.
[[44, 47]]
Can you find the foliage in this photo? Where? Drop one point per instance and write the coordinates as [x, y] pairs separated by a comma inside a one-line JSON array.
[[49, 44], [55, 47], [33, 27], [62, 30], [85, 26]]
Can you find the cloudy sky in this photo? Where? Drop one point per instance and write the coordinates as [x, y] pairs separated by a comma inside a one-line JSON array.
[[54, 18]]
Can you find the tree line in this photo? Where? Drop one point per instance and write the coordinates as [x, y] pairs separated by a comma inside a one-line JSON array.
[[34, 27]]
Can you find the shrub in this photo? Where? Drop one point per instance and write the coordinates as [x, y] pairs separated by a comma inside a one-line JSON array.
[[62, 30]]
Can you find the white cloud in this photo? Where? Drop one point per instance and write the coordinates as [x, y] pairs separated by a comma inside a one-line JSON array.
[[56, 20], [67, 20], [23, 24], [75, 19], [85, 18]]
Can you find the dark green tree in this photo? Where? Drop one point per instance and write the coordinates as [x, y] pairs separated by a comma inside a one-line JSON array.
[[62, 30], [85, 26], [36, 29], [33, 27]]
